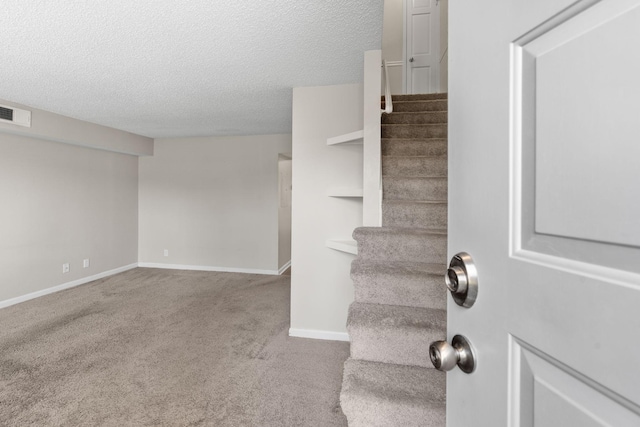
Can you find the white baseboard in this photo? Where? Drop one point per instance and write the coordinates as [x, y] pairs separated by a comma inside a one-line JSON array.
[[284, 267], [319, 335], [27, 297], [206, 268]]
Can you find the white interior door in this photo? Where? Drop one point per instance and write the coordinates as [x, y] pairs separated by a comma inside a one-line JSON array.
[[544, 167], [422, 33]]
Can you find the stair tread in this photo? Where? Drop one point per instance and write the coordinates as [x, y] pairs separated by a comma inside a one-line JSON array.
[[419, 96], [404, 283], [418, 166], [408, 101], [413, 124], [392, 267], [444, 110], [363, 231], [386, 175], [414, 147], [396, 156], [382, 394], [416, 202], [414, 178], [400, 384], [394, 333], [426, 139], [393, 317]]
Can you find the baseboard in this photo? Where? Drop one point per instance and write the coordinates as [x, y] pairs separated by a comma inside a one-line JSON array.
[[43, 292], [206, 268], [284, 267], [319, 335]]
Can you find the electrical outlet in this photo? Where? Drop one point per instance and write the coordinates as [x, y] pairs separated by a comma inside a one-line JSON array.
[[166, 252], [85, 263], [65, 267]]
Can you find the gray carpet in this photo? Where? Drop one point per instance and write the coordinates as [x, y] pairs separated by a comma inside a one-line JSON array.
[[400, 298], [155, 347]]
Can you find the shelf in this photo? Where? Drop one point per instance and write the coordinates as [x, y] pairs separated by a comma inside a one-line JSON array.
[[345, 192], [348, 138], [348, 246]]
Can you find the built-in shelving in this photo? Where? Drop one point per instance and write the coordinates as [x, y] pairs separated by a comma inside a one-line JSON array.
[[345, 192], [348, 246], [348, 138], [345, 245]]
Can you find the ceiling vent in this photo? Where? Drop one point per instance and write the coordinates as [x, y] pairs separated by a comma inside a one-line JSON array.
[[15, 116]]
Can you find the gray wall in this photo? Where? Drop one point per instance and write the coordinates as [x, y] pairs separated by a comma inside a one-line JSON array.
[[444, 45], [61, 204], [392, 42], [321, 288], [212, 202]]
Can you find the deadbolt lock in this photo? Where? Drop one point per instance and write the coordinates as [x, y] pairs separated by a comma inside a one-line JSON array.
[[462, 279]]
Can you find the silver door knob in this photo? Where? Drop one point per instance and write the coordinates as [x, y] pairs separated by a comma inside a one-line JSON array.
[[445, 356], [411, 59], [462, 279]]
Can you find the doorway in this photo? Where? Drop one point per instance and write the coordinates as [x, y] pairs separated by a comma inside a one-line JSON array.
[[284, 212]]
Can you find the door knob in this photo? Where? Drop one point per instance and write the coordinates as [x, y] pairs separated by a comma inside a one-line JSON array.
[[445, 356], [462, 279], [411, 59]]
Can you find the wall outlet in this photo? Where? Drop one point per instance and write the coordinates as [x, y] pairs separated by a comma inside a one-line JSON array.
[[85, 263], [166, 252], [65, 267]]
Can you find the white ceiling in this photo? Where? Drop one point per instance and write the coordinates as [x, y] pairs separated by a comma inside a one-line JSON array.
[[164, 68]]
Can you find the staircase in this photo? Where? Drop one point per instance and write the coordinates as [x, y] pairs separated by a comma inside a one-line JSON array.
[[400, 298]]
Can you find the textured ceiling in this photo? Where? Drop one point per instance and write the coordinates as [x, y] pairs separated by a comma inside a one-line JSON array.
[[184, 67]]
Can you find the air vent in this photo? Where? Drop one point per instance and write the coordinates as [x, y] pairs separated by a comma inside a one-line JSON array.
[[15, 116], [6, 113]]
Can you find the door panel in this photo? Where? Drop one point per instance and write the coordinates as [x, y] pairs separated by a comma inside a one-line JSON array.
[[421, 79], [543, 188], [552, 394], [569, 74]]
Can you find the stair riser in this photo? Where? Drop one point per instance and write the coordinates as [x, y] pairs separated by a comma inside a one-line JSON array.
[[414, 147], [399, 247], [370, 390], [407, 346], [415, 118], [400, 188], [414, 166], [399, 348], [407, 214], [414, 131], [410, 290], [387, 414], [416, 106]]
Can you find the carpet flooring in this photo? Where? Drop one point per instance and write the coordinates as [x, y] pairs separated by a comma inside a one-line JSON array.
[[152, 347]]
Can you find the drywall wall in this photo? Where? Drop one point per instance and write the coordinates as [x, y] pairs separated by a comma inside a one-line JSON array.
[[321, 287], [392, 42], [63, 204], [444, 45], [56, 128], [284, 211], [212, 203]]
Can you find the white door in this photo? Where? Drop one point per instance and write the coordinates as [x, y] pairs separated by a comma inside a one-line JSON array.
[[544, 167], [422, 47]]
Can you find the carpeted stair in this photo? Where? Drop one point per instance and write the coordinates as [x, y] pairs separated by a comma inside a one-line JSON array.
[[400, 298]]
